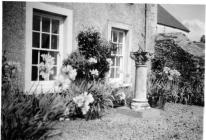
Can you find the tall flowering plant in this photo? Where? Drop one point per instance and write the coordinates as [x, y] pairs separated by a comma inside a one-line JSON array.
[[163, 85], [46, 67]]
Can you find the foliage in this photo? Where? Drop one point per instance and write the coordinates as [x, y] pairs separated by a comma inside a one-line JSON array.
[[24, 116], [101, 94], [90, 100], [163, 87], [122, 96], [91, 58], [202, 39], [190, 89], [141, 57]]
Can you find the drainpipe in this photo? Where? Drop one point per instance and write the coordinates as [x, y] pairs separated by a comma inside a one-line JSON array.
[[145, 28]]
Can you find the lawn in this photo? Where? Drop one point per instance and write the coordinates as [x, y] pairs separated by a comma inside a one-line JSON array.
[[176, 121]]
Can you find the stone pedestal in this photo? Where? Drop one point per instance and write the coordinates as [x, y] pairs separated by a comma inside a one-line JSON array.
[[140, 91]]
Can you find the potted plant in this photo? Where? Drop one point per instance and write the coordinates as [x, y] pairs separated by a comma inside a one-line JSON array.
[[141, 57], [160, 87]]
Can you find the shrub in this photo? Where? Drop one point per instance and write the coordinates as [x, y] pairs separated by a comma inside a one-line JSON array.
[[163, 87], [91, 100], [23, 116], [191, 87], [91, 60]]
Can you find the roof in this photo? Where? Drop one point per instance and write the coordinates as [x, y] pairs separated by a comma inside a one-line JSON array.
[[166, 19]]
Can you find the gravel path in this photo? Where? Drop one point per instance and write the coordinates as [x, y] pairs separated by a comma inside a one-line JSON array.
[[175, 122]]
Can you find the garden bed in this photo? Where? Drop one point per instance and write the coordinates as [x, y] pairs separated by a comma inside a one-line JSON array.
[[177, 121]]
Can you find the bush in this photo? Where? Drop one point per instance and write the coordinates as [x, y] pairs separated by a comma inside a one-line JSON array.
[[191, 87], [91, 101], [23, 116], [91, 60]]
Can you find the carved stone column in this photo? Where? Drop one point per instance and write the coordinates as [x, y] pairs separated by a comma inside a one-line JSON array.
[[140, 88]]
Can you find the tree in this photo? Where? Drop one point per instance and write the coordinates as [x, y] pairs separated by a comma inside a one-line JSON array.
[[202, 39]]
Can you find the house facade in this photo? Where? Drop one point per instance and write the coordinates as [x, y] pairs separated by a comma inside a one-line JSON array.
[[31, 29]]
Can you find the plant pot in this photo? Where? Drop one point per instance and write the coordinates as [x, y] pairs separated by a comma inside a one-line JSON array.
[[157, 102]]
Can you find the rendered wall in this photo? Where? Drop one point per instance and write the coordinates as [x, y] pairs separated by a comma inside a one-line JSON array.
[[13, 37], [84, 14]]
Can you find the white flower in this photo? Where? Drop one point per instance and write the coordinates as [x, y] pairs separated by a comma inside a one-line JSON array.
[[121, 95], [94, 72], [85, 109], [69, 72], [61, 119], [176, 73], [83, 101], [166, 70], [109, 60], [62, 82], [92, 60], [89, 99], [79, 100], [46, 66]]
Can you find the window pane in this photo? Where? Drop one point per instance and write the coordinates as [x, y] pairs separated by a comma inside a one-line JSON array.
[[120, 37], [117, 73], [114, 36], [45, 41], [112, 73], [55, 26], [113, 61], [35, 40], [34, 73], [54, 54], [36, 23], [45, 24], [54, 43], [52, 76], [119, 50], [115, 49], [34, 56], [117, 61], [42, 52]]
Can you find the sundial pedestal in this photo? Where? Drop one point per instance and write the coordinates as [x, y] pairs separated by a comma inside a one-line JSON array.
[[140, 101]]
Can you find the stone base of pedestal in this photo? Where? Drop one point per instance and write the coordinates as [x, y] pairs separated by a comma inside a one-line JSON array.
[[137, 105]]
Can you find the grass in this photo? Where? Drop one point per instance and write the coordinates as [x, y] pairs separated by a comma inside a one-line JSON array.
[[177, 121]]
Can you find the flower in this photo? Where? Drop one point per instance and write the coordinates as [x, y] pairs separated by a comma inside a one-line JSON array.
[[62, 82], [79, 100], [166, 70], [171, 73], [92, 60], [69, 72], [121, 95], [83, 101], [46, 66], [85, 109], [94, 72], [109, 60]]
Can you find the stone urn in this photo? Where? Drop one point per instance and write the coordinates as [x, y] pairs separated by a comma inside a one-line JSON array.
[[140, 87]]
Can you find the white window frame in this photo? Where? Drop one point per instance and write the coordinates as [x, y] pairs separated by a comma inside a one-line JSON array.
[[127, 28], [120, 78], [65, 43]]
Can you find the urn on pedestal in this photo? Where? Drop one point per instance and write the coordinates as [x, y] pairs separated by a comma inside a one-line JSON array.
[[140, 88]]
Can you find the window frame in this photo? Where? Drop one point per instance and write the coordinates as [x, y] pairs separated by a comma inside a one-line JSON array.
[[118, 55], [65, 45], [128, 36]]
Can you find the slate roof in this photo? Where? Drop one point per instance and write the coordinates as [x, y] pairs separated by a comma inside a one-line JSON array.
[[166, 19]]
